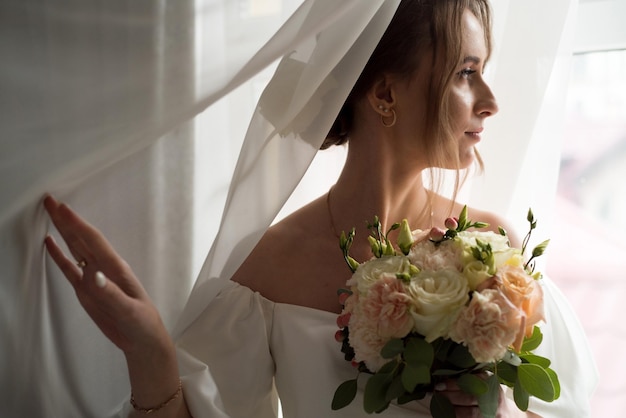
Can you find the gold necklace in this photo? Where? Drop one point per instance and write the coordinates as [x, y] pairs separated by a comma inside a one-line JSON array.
[[330, 214]]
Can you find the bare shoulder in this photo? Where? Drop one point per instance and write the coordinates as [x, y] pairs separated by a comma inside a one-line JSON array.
[[272, 255], [285, 265]]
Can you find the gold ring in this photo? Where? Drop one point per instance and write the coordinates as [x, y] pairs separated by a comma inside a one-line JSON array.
[[81, 264]]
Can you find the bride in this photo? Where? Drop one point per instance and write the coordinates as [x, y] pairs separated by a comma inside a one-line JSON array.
[[419, 105]]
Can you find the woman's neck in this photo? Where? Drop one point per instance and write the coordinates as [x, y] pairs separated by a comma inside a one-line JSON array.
[[368, 189]]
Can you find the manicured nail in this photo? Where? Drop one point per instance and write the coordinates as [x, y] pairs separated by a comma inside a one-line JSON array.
[[101, 280], [441, 386]]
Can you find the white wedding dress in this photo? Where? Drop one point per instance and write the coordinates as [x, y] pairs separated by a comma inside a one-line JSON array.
[[244, 349]]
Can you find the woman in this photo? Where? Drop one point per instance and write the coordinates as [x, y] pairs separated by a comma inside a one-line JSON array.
[[420, 104]]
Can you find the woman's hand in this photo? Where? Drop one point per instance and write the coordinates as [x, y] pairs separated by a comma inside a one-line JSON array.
[[114, 299], [119, 305], [466, 405]]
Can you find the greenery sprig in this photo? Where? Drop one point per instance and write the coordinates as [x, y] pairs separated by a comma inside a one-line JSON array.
[[538, 250]]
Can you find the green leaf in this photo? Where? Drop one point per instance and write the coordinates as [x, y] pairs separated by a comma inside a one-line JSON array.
[[507, 373], [389, 367], [442, 348], [532, 342], [445, 372], [374, 397], [415, 375], [441, 407], [461, 357], [344, 394], [479, 225], [418, 351], [520, 396], [408, 397], [555, 382], [540, 249], [395, 390], [488, 402], [462, 219], [393, 348], [538, 360], [536, 381], [472, 384], [502, 231]]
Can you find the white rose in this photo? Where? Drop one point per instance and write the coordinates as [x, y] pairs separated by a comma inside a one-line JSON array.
[[502, 251], [476, 272], [498, 242], [369, 272], [437, 298]]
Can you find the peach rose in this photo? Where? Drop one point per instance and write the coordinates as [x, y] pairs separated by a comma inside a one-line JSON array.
[[487, 326], [525, 293]]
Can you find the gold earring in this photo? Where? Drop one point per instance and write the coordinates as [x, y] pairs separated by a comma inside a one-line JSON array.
[[382, 117]]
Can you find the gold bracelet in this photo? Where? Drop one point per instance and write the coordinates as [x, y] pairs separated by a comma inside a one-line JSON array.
[[162, 405]]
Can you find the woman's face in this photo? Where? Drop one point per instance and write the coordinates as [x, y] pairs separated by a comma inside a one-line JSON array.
[[470, 99]]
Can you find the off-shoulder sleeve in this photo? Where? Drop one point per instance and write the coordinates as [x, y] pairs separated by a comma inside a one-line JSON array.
[[565, 343], [224, 357]]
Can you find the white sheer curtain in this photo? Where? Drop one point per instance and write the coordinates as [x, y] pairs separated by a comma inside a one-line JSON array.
[[103, 104]]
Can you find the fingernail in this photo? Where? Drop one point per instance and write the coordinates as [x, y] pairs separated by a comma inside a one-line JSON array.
[[441, 386], [101, 280]]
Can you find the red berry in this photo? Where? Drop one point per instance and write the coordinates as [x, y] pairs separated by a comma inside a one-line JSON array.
[[343, 320], [339, 337]]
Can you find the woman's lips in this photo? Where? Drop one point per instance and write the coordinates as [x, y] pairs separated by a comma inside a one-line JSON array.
[[474, 134]]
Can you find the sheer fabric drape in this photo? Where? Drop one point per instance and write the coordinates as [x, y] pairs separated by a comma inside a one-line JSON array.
[[103, 104]]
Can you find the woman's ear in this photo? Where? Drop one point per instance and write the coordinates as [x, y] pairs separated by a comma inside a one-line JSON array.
[[381, 95]]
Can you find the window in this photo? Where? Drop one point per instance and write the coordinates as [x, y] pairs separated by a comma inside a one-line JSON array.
[[588, 255]]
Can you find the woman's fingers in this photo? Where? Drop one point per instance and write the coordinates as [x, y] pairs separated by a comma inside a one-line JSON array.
[[84, 241], [67, 266], [453, 392], [88, 246], [65, 228]]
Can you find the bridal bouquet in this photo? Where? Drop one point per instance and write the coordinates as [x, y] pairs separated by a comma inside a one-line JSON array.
[[444, 304]]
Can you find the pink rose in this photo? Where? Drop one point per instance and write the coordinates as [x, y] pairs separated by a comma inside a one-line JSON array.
[[387, 306], [487, 326], [366, 343], [376, 317], [363, 336]]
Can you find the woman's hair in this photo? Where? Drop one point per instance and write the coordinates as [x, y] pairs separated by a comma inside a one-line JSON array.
[[419, 27]]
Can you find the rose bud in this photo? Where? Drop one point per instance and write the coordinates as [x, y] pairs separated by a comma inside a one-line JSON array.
[[339, 337], [437, 234], [451, 223]]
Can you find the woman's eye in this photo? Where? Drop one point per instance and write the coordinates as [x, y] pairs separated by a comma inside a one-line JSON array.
[[466, 72]]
